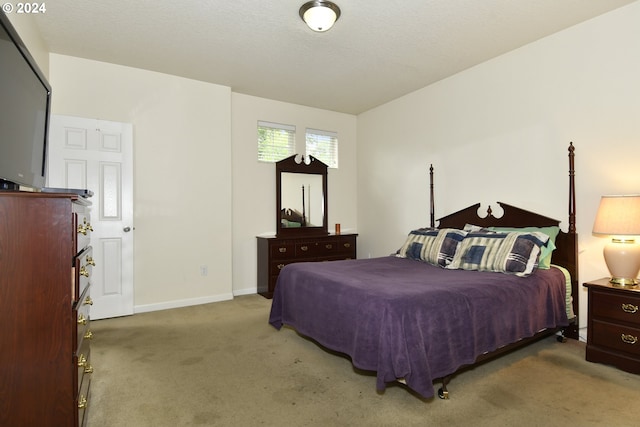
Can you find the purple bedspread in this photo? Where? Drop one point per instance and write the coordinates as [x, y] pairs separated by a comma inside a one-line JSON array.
[[408, 319]]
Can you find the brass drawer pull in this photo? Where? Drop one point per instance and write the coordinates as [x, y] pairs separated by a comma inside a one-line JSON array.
[[91, 261], [280, 266], [82, 361], [88, 369], [88, 301], [88, 335], [84, 227], [83, 271], [629, 308], [629, 339], [304, 248], [328, 246], [82, 320], [82, 402], [282, 250], [347, 245]]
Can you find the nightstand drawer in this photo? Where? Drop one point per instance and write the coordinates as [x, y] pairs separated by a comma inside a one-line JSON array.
[[621, 307], [616, 337]]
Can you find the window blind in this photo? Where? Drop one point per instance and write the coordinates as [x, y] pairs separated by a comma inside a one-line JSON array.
[[323, 145], [275, 141]]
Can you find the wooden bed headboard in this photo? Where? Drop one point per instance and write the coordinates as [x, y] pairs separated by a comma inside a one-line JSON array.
[[566, 253]]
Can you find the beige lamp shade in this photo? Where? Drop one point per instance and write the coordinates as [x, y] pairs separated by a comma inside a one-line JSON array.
[[619, 217]]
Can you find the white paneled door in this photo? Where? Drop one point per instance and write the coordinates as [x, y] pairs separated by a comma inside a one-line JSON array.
[[98, 155]]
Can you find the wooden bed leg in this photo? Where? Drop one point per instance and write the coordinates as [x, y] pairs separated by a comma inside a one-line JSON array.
[[443, 393]]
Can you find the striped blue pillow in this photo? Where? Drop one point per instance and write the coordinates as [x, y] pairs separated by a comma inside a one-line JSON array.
[[514, 252], [432, 245]]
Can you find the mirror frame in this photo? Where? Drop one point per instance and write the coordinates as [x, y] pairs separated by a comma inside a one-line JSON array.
[[306, 165]]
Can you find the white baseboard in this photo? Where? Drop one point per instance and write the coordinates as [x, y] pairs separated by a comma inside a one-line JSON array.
[[181, 303], [247, 291]]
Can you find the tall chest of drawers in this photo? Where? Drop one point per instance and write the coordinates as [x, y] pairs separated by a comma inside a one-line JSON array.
[[45, 269], [613, 334], [275, 252]]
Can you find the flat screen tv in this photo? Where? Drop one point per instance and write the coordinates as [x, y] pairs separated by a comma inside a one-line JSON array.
[[25, 103]]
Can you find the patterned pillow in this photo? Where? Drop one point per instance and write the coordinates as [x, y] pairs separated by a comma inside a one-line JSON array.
[[544, 261], [515, 252], [432, 245]]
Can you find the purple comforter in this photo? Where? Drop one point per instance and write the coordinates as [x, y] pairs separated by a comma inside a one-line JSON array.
[[408, 319]]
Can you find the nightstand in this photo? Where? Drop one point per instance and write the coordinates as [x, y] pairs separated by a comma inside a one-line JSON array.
[[613, 335]]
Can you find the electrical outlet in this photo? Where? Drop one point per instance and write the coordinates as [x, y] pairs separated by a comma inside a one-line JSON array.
[[204, 270]]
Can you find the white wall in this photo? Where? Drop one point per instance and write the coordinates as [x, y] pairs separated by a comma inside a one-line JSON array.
[[500, 131], [26, 28], [254, 183], [182, 173]]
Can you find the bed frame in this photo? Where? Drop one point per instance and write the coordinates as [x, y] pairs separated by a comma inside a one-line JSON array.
[[565, 255]]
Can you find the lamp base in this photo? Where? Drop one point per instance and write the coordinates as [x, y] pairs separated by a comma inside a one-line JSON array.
[[622, 257], [621, 282]]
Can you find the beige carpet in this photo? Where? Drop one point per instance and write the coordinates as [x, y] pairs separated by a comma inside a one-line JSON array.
[[222, 364]]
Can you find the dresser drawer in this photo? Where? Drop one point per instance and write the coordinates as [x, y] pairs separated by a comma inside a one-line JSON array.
[[618, 337], [309, 249], [83, 362], [324, 248], [82, 315], [83, 266], [283, 250], [620, 307], [277, 265], [83, 228], [82, 400], [346, 245]]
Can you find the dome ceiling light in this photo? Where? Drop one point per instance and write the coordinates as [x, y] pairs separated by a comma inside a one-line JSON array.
[[320, 15]]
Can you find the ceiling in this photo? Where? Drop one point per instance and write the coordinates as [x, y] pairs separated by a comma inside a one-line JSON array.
[[378, 50]]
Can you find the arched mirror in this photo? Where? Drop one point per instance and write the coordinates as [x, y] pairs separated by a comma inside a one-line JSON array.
[[301, 196]]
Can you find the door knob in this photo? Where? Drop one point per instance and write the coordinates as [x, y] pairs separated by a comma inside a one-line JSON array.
[[126, 229]]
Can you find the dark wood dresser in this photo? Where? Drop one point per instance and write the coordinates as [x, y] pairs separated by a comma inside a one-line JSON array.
[[45, 265], [276, 252], [613, 335]]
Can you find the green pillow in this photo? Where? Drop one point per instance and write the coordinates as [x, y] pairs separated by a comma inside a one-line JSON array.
[[544, 262]]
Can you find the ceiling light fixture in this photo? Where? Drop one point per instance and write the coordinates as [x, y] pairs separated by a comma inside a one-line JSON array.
[[320, 15]]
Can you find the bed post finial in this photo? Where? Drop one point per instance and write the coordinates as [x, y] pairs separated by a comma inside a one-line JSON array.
[[572, 189], [432, 214]]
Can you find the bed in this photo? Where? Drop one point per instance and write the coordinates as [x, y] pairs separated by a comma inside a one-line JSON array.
[[440, 304]]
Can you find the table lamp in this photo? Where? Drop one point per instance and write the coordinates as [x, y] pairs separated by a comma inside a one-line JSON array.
[[619, 218]]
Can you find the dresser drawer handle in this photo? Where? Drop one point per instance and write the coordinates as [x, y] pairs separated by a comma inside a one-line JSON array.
[[82, 361], [91, 261], [88, 335], [629, 339], [88, 301], [82, 320], [82, 402], [280, 266], [304, 248], [282, 250], [88, 369], [328, 246], [83, 271], [629, 308], [82, 229], [347, 245]]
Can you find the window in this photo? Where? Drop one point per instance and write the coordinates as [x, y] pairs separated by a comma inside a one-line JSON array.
[[275, 141], [323, 145]]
